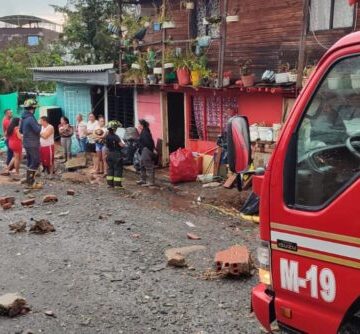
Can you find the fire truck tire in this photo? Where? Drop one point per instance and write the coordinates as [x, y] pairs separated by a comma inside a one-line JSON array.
[[351, 327]]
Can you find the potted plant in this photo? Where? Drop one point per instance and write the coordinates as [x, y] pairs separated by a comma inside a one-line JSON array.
[[206, 77], [168, 25], [247, 77], [283, 74], [182, 65]]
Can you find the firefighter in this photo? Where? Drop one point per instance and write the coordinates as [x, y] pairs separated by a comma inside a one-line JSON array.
[[115, 157]]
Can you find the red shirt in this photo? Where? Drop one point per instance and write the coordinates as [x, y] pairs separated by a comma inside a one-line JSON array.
[[5, 125]]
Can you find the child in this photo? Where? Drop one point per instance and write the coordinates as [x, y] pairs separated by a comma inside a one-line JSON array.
[[114, 158]]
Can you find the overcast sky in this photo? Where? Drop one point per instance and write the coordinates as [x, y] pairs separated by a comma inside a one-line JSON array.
[[31, 7]]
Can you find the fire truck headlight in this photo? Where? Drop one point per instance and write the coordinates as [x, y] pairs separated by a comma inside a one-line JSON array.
[[263, 254]]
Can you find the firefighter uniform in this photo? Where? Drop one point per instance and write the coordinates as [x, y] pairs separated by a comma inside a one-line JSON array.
[[114, 158]]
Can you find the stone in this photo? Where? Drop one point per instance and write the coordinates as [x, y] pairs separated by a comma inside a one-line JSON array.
[[12, 304], [177, 260], [50, 199], [50, 313], [193, 236], [70, 192], [75, 163], [176, 256], [42, 226], [119, 222], [235, 260], [28, 202], [18, 227]]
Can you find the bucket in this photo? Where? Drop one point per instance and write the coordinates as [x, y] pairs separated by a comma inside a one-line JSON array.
[[281, 78], [183, 76], [156, 26], [195, 78], [265, 133]]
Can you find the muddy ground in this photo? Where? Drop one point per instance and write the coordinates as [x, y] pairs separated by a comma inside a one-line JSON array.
[[99, 277]]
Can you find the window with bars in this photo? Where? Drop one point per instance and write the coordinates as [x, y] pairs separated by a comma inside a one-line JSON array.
[[331, 14], [209, 115]]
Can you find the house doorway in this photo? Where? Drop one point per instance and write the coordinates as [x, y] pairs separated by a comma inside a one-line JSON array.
[[176, 121]]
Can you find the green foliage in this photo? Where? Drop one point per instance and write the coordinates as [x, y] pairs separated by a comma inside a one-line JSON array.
[[15, 64], [85, 32]]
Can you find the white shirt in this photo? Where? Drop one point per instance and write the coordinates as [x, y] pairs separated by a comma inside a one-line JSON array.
[[48, 141], [91, 127]]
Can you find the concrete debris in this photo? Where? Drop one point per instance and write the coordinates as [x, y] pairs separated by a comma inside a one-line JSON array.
[[75, 163], [212, 185], [192, 236], [62, 214], [235, 260], [176, 256], [50, 313], [50, 199], [70, 192], [119, 222], [12, 304], [18, 227], [42, 226], [28, 202], [189, 224]]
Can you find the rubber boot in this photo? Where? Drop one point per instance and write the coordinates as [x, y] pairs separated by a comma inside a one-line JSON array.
[[151, 178]]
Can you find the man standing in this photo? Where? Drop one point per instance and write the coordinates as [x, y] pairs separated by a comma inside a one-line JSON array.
[[30, 130], [5, 125]]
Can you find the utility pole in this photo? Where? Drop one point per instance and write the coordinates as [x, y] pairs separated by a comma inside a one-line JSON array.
[[120, 5], [223, 31], [302, 44]]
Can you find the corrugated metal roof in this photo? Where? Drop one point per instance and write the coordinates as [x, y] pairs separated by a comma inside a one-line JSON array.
[[75, 68]]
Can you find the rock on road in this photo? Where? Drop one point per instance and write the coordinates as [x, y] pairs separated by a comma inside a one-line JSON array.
[[95, 276]]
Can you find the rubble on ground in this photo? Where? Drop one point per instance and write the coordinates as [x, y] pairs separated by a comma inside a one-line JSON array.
[[50, 199], [7, 202], [42, 226], [18, 227], [235, 260], [193, 236], [75, 177], [70, 192], [176, 256], [28, 202], [12, 304]]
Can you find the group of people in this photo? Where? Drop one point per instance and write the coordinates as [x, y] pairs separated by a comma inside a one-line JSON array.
[[94, 137]]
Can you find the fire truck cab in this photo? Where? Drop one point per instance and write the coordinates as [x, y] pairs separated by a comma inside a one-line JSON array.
[[309, 255]]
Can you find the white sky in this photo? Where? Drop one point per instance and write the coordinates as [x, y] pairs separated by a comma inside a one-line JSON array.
[[31, 7]]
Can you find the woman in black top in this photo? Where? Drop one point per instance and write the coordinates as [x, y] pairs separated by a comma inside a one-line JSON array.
[[114, 157], [146, 150]]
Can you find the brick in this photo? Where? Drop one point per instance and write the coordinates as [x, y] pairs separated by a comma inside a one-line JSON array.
[[234, 260], [7, 199], [70, 192], [50, 199], [7, 206], [28, 202]]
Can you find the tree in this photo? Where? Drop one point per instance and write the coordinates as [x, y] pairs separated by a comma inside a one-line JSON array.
[[15, 67], [85, 32]]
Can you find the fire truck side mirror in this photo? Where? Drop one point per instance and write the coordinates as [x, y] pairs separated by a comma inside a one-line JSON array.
[[239, 145]]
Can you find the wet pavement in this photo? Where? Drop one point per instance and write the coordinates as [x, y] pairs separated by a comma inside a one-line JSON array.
[[100, 277]]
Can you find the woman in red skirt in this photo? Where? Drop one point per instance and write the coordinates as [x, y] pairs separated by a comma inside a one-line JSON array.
[[47, 148], [15, 144]]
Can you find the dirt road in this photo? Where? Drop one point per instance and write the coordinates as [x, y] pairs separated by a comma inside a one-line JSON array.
[[100, 277]]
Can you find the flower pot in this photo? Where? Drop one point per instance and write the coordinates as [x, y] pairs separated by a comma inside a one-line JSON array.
[[168, 65], [226, 81], [265, 133], [195, 78], [204, 41], [334, 83], [156, 26], [281, 78], [135, 66], [152, 79], [248, 80], [232, 18], [292, 77], [157, 70], [168, 25], [355, 81], [189, 5], [183, 76]]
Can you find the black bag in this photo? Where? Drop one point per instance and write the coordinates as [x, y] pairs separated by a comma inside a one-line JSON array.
[[251, 205], [136, 160]]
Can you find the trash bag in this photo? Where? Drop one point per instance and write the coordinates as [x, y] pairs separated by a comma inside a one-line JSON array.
[[183, 166], [129, 151], [136, 161], [251, 205]]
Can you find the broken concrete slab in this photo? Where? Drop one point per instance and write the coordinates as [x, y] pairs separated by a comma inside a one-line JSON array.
[[12, 304], [18, 227], [75, 163], [42, 226], [75, 177], [235, 260], [50, 199]]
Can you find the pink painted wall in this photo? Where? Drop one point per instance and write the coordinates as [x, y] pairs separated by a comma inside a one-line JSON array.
[[148, 107], [261, 108]]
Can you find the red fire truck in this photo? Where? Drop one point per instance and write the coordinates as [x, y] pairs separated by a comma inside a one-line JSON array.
[[309, 212]]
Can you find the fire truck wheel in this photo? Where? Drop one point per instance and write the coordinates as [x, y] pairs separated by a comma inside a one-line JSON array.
[[352, 327]]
